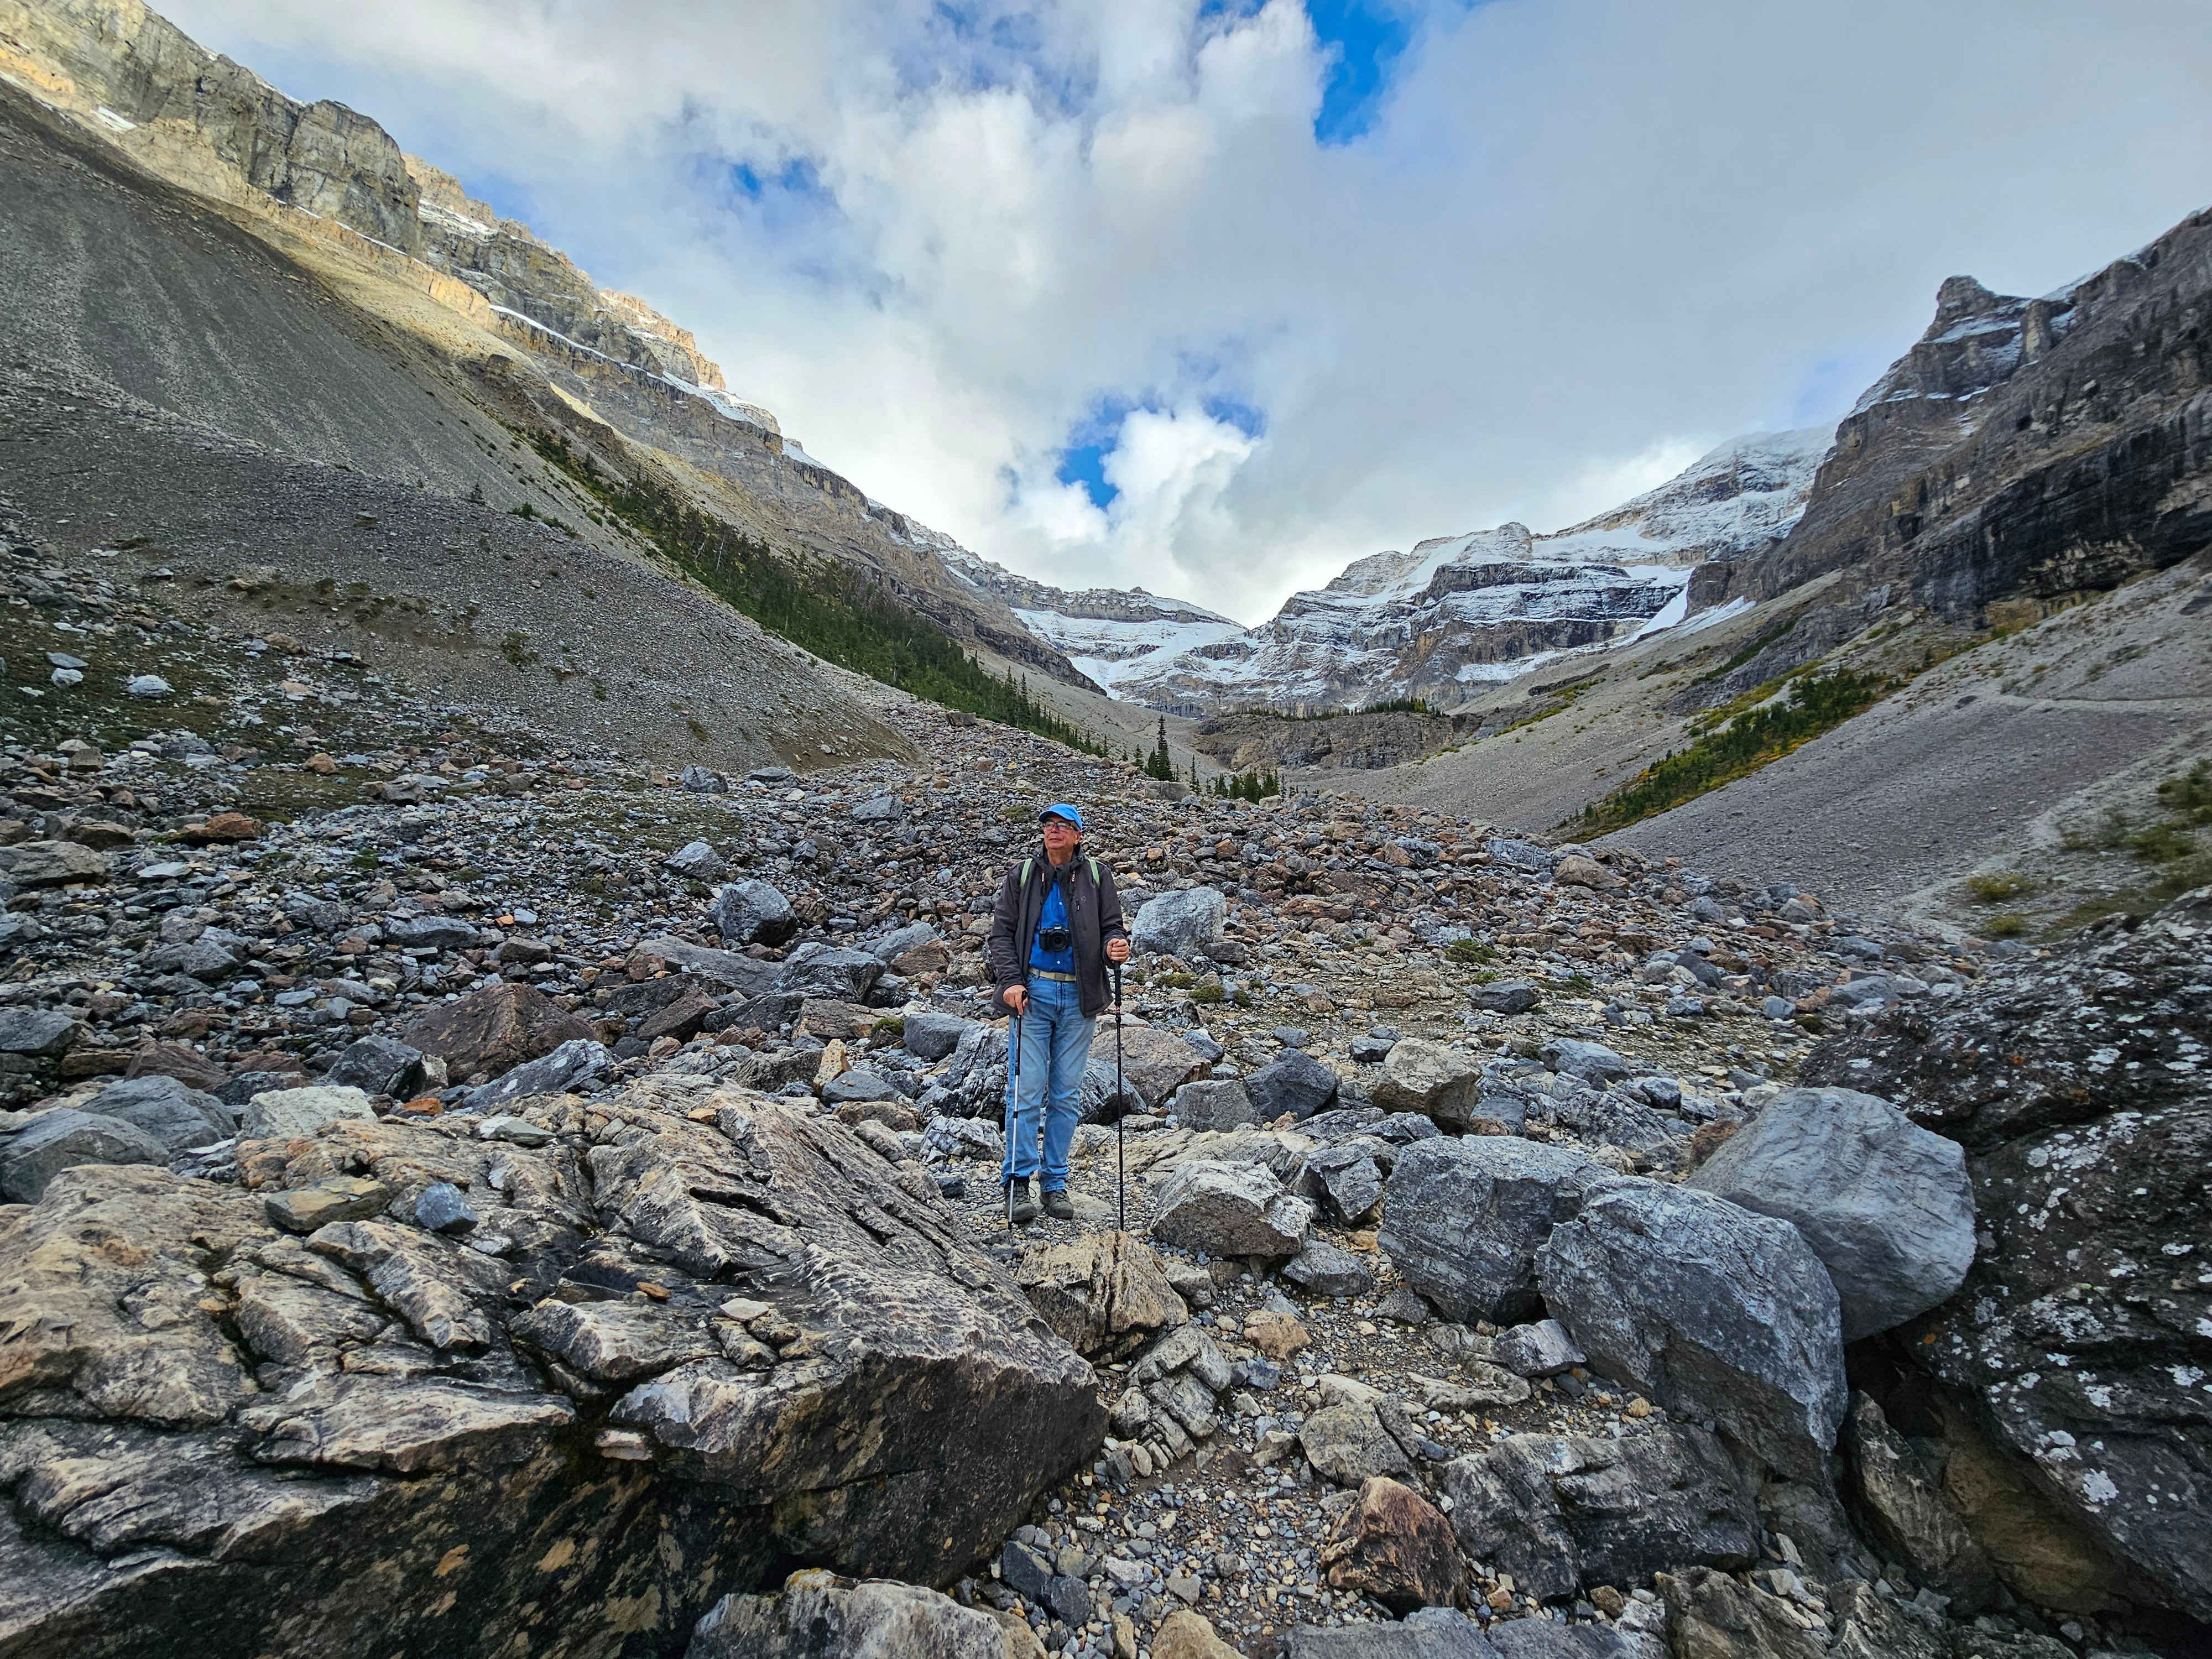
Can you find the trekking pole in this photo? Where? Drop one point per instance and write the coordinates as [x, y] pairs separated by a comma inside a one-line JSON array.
[[1121, 1179], [1013, 1108]]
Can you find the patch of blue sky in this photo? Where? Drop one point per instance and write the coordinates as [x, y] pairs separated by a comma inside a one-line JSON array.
[[1234, 411], [1094, 438], [1829, 387], [1089, 441], [985, 48], [1363, 40]]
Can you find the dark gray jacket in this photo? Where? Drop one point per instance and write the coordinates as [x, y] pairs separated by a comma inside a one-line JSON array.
[[1094, 916]]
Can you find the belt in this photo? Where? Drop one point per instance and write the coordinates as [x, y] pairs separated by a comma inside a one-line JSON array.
[[1046, 973]]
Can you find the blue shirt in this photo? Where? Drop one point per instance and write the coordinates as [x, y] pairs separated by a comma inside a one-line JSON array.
[[1055, 914]]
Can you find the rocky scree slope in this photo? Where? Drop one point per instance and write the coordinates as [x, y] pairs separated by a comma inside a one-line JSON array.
[[330, 191], [543, 1154]]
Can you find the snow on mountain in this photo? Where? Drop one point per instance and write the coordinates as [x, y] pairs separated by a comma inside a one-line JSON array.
[[1451, 613]]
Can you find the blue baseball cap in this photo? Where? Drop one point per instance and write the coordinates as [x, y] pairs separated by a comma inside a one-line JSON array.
[[1060, 808]]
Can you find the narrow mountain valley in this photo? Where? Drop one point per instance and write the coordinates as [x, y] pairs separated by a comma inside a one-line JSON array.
[[1680, 1131]]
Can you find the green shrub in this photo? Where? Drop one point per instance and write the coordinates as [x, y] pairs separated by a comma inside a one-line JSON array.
[[1814, 703], [829, 607], [2009, 925], [1995, 889], [1470, 950]]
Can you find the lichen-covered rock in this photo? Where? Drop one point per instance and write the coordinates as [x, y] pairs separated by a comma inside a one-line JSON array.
[[1428, 1078], [1228, 1209], [2082, 1336], [739, 1331]]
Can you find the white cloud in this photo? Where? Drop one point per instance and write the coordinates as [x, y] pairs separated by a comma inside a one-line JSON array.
[[1584, 238]]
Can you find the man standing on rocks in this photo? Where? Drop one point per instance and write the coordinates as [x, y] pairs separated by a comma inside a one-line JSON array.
[[1057, 924]]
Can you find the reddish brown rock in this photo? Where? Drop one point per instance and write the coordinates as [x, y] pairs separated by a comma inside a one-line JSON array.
[[222, 827], [188, 1065], [1395, 1546], [680, 1020], [493, 1030]]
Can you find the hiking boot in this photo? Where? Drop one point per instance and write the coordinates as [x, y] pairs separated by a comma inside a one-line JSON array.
[[1021, 1208], [1058, 1206]]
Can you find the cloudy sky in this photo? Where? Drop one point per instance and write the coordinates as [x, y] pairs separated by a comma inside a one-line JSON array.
[[1215, 295]]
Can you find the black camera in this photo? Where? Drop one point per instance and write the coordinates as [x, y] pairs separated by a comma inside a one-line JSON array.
[[1055, 939]]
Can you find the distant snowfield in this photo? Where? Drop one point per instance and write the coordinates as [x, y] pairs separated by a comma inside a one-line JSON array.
[[1454, 613]]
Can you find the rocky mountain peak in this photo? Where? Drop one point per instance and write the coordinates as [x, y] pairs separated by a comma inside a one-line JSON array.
[[1961, 297]]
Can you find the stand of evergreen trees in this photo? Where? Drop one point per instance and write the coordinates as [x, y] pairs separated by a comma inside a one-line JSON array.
[[829, 608], [1246, 785]]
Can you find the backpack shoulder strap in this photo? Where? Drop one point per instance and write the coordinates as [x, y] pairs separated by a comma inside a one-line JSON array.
[[1026, 863], [1094, 871]]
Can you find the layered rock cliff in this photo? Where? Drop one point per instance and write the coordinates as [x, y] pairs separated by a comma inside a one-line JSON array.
[[2031, 449]]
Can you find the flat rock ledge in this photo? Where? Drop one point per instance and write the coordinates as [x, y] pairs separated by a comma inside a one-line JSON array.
[[693, 1338]]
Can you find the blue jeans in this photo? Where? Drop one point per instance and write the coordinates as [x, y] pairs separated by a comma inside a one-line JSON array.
[[1055, 1047]]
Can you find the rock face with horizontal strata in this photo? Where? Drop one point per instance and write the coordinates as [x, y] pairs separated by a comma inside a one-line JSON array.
[[219, 1438]]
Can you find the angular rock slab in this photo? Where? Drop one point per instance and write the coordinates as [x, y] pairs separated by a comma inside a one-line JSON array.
[[1562, 1511], [65, 1138], [1884, 1203], [761, 1349], [1430, 1633], [1395, 1546], [495, 1030], [817, 1615], [1431, 1078], [1179, 924], [1463, 1219], [178, 1116], [1228, 1209], [1715, 1312], [1104, 1294]]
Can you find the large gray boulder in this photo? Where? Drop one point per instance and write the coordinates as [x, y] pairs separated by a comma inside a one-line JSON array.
[[1562, 1511], [40, 1033], [1428, 1078], [818, 1615], [377, 1066], [1179, 924], [1884, 1203], [932, 1036], [750, 912], [1211, 1105], [63, 1139], [833, 971], [178, 1116], [1717, 1314], [1228, 1209], [821, 1371], [1293, 1082], [1463, 1219], [697, 861], [726, 968], [575, 1066]]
